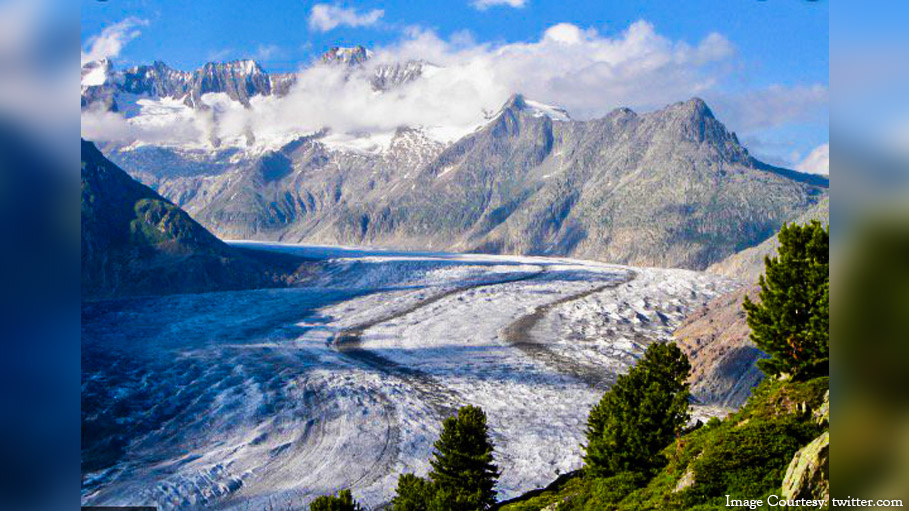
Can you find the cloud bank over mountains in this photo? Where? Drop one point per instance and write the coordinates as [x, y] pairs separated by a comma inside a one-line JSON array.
[[462, 83]]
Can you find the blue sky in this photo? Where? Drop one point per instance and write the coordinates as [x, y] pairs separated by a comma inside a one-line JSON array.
[[778, 49]]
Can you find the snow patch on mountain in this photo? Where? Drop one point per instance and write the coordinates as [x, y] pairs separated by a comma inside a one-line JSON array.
[[555, 113], [366, 143]]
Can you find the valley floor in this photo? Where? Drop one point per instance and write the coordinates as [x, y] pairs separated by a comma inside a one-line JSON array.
[[265, 399]]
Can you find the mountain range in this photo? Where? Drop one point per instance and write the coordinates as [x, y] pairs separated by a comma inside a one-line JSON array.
[[117, 90], [669, 188]]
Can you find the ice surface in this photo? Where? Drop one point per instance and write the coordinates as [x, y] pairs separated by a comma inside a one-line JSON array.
[[266, 399]]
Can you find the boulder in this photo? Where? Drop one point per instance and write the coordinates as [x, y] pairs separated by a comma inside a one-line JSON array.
[[808, 474]]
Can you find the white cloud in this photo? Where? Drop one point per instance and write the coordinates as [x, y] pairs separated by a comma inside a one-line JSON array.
[[325, 17], [567, 33], [817, 161], [486, 4], [110, 42]]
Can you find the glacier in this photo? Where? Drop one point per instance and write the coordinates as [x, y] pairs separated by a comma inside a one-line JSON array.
[[266, 399]]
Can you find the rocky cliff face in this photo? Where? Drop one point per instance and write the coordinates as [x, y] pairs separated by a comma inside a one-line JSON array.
[[669, 188], [135, 242]]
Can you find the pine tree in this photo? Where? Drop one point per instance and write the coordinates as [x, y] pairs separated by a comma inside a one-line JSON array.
[[640, 415], [343, 502], [413, 494], [463, 473], [791, 322]]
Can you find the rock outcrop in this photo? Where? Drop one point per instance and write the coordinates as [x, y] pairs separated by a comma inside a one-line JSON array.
[[808, 476]]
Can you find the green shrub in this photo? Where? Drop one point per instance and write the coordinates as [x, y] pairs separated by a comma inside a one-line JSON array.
[[748, 459]]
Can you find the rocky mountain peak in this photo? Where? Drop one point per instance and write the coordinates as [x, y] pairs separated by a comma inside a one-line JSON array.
[[245, 67], [348, 56], [622, 112], [407, 137], [693, 120], [697, 107], [515, 102], [694, 109], [239, 79], [388, 76]]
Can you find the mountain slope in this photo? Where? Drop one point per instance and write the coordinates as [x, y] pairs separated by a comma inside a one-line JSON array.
[[749, 455], [715, 339], [670, 188], [135, 242], [748, 264]]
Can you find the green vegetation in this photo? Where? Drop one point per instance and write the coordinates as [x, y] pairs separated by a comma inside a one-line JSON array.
[[413, 494], [791, 322], [342, 502], [463, 463], [639, 415], [463, 475]]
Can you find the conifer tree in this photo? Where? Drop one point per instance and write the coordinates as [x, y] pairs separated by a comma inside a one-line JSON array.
[[640, 415], [791, 321], [463, 470], [343, 502], [412, 494]]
